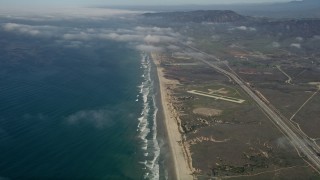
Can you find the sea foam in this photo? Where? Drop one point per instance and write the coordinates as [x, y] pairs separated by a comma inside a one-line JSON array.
[[147, 126]]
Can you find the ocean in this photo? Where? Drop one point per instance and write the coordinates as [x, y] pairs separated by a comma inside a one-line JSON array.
[[76, 109]]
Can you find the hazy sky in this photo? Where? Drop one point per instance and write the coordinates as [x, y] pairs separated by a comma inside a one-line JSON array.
[[126, 2]]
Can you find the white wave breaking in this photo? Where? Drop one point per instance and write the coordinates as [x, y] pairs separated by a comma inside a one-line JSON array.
[[147, 126]]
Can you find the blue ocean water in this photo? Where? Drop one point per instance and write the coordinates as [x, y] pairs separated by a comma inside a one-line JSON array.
[[73, 113]]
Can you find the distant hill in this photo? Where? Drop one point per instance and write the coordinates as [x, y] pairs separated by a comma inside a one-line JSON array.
[[293, 9], [287, 27], [217, 16]]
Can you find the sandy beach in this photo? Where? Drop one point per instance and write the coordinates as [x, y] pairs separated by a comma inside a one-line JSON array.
[[179, 155]]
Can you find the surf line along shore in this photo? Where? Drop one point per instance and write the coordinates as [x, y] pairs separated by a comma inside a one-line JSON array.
[[180, 155]]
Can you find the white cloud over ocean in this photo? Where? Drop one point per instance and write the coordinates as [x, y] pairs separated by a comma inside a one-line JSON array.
[[122, 37], [159, 39], [63, 13], [142, 38], [243, 28], [97, 118], [29, 29], [149, 48], [275, 44], [295, 45]]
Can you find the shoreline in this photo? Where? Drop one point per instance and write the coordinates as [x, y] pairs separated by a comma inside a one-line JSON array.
[[181, 166], [166, 164]]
